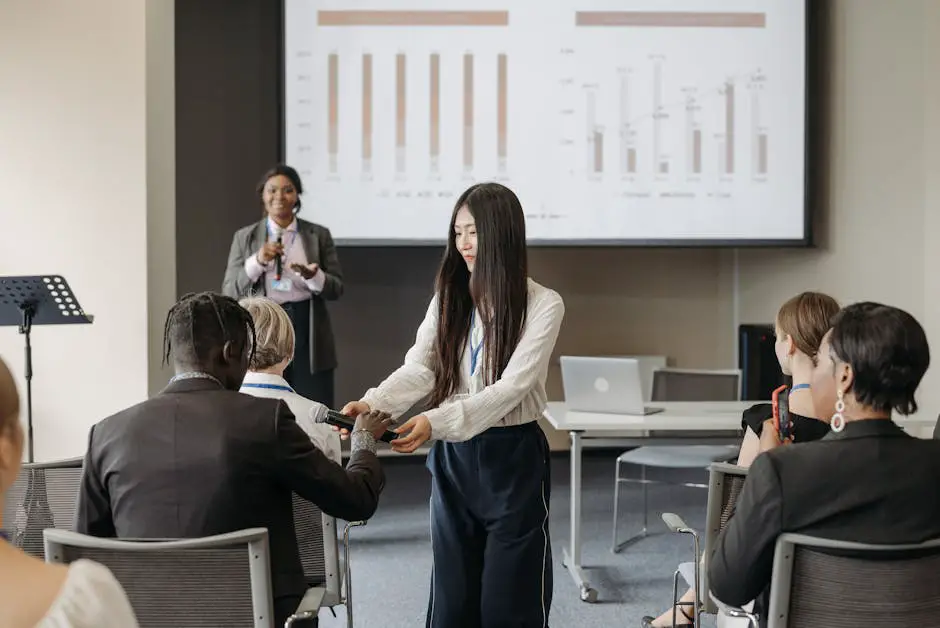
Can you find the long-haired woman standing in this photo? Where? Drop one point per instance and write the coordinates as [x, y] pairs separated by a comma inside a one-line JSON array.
[[482, 355]]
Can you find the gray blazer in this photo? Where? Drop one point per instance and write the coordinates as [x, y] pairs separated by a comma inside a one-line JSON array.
[[319, 248]]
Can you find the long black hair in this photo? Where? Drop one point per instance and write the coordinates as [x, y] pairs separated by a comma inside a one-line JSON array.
[[498, 287]]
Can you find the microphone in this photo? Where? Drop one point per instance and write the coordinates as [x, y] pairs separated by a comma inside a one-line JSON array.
[[321, 414], [278, 269]]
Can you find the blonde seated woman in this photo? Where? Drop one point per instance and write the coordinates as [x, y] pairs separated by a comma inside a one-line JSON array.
[[273, 351], [800, 326], [83, 594]]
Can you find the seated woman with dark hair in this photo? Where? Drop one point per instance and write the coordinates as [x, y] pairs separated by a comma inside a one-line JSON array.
[[870, 364], [800, 325]]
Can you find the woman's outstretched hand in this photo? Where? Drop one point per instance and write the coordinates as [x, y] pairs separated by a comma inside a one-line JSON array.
[[418, 429]]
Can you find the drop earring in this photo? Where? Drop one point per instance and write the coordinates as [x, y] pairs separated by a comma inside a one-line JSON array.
[[837, 423]]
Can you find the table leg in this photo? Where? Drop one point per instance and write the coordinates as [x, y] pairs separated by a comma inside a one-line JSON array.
[[571, 555]]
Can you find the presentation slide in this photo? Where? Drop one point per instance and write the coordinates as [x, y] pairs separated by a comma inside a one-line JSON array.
[[654, 122]]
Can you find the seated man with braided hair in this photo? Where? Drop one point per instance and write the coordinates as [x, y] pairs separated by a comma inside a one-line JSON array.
[[200, 458]]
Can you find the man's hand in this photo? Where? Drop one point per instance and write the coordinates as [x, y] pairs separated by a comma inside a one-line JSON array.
[[308, 271], [419, 428], [352, 409], [269, 251], [373, 421]]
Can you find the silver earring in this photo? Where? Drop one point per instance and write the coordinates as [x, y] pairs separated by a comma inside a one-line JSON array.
[[837, 423]]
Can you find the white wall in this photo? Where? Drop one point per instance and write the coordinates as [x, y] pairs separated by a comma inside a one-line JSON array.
[[881, 216], [930, 391], [161, 181], [73, 199]]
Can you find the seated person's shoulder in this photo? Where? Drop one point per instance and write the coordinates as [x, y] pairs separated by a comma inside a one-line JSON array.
[[90, 597], [755, 416], [231, 406], [263, 409]]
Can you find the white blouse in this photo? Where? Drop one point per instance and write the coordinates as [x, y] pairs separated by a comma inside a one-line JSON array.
[[517, 397], [323, 436], [90, 598]]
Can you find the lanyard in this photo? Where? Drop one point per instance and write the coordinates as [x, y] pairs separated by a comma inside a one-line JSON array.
[[269, 386], [474, 351], [798, 386]]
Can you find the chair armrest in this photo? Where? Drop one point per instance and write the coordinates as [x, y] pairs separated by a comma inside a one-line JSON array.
[[676, 524], [309, 607], [728, 468], [347, 599], [734, 611]]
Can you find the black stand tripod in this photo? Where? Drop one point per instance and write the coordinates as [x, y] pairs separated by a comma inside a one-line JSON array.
[[38, 300]]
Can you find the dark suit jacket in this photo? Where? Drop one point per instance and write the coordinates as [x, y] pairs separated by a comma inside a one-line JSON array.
[[197, 460], [871, 483], [319, 248]]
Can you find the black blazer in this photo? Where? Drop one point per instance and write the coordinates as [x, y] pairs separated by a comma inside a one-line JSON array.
[[319, 248], [871, 483], [197, 460]]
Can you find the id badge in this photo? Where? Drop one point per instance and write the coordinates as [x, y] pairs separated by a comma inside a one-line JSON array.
[[282, 285]]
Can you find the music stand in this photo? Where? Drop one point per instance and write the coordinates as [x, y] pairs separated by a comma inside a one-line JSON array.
[[38, 300]]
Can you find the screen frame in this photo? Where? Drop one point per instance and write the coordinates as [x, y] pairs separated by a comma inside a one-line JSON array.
[[813, 56]]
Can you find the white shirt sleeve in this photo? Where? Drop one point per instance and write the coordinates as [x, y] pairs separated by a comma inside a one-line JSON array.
[[414, 379], [322, 436], [462, 419], [315, 283], [91, 597], [254, 268]]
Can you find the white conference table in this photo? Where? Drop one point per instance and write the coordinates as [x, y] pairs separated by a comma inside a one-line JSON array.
[[630, 431]]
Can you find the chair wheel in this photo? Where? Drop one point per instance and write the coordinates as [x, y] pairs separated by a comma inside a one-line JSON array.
[[588, 595]]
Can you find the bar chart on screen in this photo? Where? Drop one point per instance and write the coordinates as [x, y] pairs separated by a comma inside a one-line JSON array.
[[680, 120], [388, 107], [669, 118]]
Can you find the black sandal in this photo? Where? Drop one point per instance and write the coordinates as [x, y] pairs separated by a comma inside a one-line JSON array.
[[647, 621]]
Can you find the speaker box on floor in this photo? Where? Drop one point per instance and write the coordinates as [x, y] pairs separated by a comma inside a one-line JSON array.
[[760, 372]]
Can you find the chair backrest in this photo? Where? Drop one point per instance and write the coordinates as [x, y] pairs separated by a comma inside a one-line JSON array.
[[44, 495], [317, 544], [670, 384], [821, 582], [725, 482], [222, 580]]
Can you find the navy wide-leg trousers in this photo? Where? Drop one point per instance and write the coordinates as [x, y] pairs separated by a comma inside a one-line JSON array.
[[489, 531]]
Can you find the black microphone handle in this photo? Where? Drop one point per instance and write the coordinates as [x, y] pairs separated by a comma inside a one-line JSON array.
[[341, 420], [277, 263]]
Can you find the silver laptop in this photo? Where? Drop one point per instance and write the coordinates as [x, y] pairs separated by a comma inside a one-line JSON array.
[[607, 385]]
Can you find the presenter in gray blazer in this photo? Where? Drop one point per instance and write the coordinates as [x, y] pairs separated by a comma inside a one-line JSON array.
[[294, 263]]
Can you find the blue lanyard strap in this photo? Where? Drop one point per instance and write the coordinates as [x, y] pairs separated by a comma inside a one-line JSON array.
[[269, 386], [474, 351], [798, 386]]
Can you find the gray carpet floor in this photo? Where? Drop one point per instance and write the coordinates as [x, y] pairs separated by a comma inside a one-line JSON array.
[[391, 556]]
